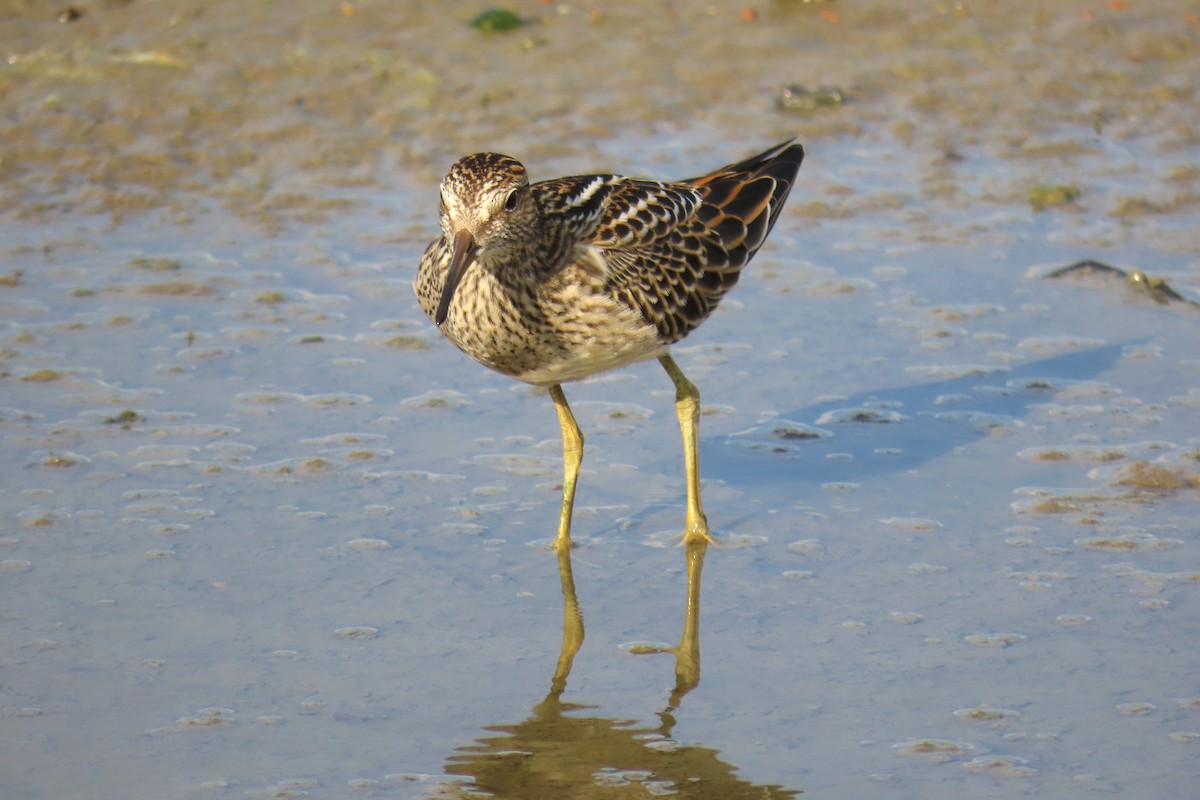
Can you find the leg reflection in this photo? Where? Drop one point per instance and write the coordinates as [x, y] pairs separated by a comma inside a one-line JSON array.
[[569, 750], [572, 625], [687, 654]]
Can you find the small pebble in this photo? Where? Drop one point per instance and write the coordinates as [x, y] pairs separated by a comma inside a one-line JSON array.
[[357, 632]]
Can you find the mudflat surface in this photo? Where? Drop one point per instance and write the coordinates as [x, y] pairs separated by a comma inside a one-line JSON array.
[[263, 533]]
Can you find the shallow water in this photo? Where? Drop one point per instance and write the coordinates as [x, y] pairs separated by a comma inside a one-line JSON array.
[[267, 535]]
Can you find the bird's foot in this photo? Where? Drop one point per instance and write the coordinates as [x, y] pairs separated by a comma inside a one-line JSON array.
[[697, 530]]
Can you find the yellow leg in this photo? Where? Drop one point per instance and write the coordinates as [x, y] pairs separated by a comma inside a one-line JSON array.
[[687, 407], [572, 457]]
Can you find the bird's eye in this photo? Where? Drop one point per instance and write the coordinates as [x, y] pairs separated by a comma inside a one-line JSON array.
[[510, 202]]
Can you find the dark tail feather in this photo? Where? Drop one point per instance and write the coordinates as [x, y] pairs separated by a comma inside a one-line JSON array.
[[732, 189]]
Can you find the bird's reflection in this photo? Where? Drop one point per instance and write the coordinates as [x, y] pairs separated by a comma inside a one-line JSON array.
[[559, 751]]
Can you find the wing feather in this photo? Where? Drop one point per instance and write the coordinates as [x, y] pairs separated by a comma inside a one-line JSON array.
[[672, 250]]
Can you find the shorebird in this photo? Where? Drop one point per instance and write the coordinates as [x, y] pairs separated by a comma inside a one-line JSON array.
[[558, 280]]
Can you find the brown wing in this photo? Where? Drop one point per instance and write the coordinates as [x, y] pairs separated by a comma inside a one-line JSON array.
[[674, 250], [613, 211]]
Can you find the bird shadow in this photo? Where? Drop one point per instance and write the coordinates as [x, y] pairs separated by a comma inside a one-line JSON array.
[[883, 431]]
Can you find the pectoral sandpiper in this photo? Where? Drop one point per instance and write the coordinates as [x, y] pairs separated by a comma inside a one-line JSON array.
[[554, 281]]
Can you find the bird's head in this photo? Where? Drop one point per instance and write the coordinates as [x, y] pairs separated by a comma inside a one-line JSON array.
[[487, 214]]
